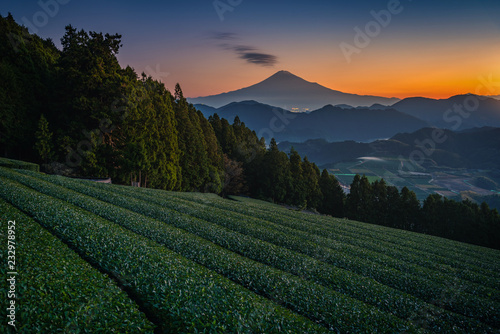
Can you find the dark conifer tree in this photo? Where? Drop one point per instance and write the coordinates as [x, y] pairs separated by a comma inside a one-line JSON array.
[[276, 178], [215, 179], [359, 201], [194, 157], [44, 145], [332, 201], [297, 192], [310, 176], [379, 208], [432, 210], [234, 182], [394, 210], [409, 210]]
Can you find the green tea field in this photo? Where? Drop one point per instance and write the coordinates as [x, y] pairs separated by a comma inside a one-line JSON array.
[[88, 257]]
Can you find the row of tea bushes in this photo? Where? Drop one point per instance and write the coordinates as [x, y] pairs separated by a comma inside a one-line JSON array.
[[57, 291], [178, 294]]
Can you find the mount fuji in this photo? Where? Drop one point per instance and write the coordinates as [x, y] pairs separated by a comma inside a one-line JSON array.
[[288, 91]]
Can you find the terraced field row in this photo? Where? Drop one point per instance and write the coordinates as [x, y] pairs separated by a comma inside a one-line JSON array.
[[55, 289], [434, 245], [453, 297], [310, 273], [9, 163], [477, 284], [180, 295], [459, 255], [308, 298]]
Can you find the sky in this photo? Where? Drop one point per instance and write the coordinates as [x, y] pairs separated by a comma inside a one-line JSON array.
[[388, 48]]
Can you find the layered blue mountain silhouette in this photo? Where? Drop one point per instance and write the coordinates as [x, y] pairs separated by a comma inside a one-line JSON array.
[[330, 123], [457, 112], [336, 116]]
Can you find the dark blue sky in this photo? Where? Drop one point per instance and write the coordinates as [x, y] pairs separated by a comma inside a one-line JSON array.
[[433, 48]]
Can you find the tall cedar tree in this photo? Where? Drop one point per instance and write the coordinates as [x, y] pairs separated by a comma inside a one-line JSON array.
[[194, 158], [43, 143], [310, 176], [147, 139], [276, 174], [297, 192], [332, 201], [234, 183], [359, 201], [215, 178], [88, 88]]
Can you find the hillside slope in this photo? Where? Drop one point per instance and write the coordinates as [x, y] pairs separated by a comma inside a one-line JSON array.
[[197, 262]]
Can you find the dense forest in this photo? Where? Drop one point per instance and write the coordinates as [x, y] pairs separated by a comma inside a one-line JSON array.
[[78, 113]]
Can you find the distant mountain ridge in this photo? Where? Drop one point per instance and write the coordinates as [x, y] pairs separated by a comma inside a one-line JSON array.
[[289, 91], [375, 106], [474, 148], [457, 112], [338, 116], [329, 122]]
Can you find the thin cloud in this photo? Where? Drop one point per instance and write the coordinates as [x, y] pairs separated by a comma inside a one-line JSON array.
[[248, 53], [259, 58], [243, 48]]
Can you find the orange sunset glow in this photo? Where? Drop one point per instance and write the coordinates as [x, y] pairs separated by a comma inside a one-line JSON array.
[[426, 69]]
